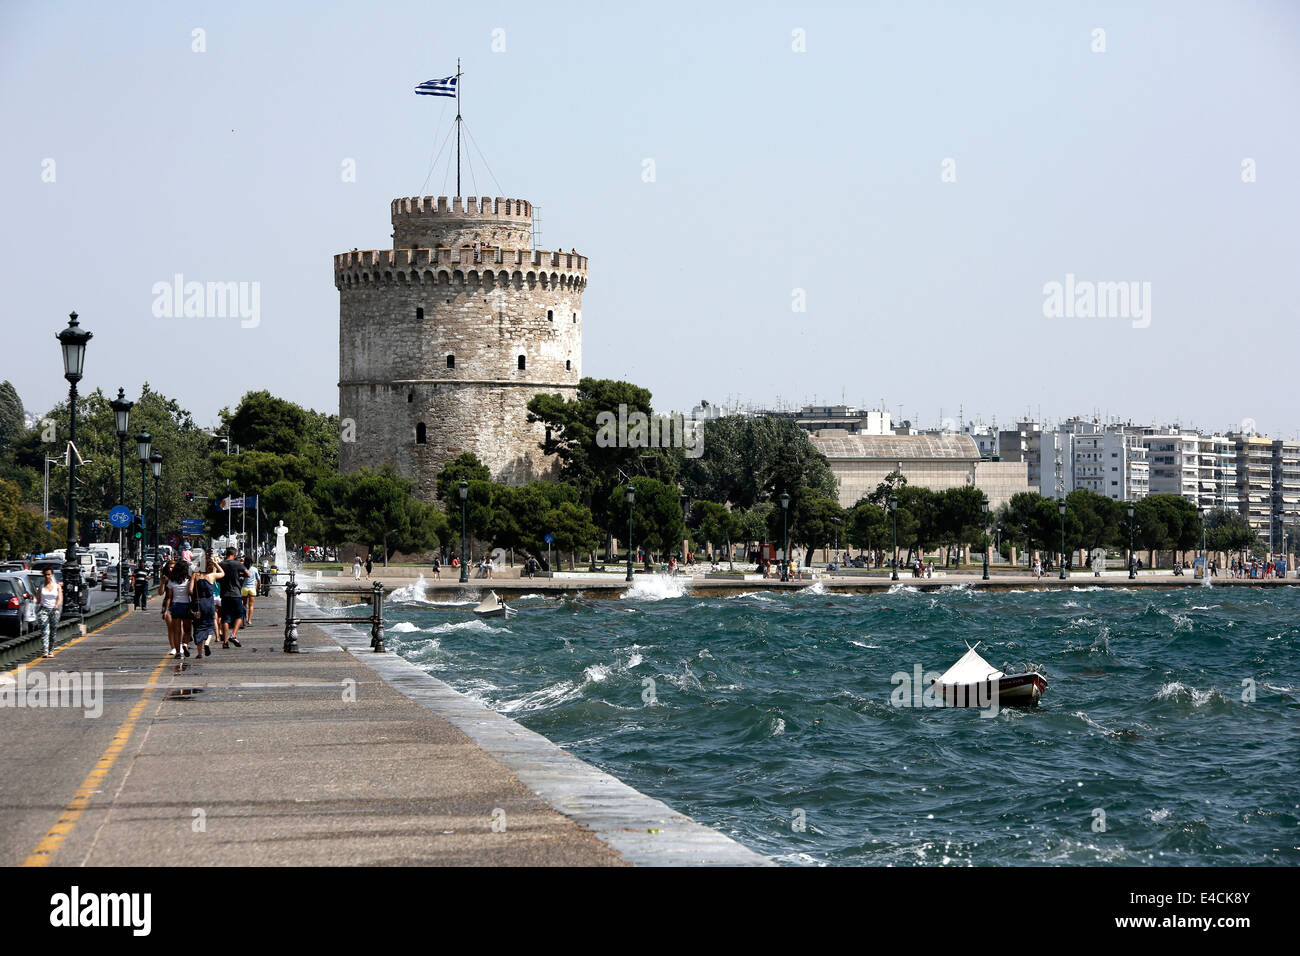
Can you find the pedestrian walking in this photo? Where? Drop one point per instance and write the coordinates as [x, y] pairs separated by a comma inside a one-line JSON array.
[[249, 590], [47, 615], [176, 608], [232, 601], [369, 565], [203, 593], [140, 585], [437, 568], [356, 568]]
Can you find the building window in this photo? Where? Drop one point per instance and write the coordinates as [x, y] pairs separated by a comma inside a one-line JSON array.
[[410, 397], [521, 363], [419, 313], [451, 361], [568, 365], [575, 317], [550, 317], [420, 437]]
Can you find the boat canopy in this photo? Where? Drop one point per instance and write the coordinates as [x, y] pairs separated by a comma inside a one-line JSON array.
[[489, 603], [971, 669]]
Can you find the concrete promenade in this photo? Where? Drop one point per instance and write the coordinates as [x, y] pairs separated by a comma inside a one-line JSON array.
[[335, 756]]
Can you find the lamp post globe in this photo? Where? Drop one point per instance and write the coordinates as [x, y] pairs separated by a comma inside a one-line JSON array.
[[1060, 508], [631, 497], [893, 559], [72, 341], [462, 489]]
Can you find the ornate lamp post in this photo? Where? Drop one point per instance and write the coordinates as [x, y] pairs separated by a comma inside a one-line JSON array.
[[631, 496], [984, 509], [463, 489], [1132, 563], [73, 341], [785, 536], [122, 421], [143, 448], [893, 560], [1205, 555], [836, 522], [156, 460], [1060, 508]]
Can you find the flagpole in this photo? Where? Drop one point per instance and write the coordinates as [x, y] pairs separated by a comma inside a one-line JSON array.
[[457, 126]]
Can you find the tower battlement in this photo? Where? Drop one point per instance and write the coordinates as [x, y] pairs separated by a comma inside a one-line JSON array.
[[431, 221]]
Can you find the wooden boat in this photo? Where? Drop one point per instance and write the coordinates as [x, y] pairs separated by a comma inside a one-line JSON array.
[[974, 682], [493, 606]]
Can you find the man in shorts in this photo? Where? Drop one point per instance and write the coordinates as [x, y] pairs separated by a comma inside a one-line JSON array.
[[232, 603]]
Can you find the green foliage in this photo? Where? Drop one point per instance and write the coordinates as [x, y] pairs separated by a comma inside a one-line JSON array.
[[747, 460], [656, 515], [12, 424], [466, 467]]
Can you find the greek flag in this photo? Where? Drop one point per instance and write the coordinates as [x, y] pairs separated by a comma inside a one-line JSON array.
[[444, 87]]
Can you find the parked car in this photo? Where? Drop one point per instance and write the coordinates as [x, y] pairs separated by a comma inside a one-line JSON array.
[[14, 566], [14, 598], [108, 581]]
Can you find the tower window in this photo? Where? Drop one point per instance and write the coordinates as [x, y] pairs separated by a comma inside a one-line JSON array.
[[575, 317], [567, 365], [420, 436], [550, 316], [521, 363], [419, 313], [451, 361], [410, 397]]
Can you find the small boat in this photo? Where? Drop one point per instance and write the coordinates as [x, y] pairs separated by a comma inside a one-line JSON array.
[[974, 682], [493, 606]]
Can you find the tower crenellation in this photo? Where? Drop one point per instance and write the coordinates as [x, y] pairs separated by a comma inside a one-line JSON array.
[[444, 339]]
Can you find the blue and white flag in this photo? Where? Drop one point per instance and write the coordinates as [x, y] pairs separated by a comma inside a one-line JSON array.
[[444, 87]]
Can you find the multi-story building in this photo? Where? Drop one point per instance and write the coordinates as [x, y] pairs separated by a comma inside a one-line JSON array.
[[1255, 481], [1023, 443], [1174, 459], [846, 418], [1286, 491]]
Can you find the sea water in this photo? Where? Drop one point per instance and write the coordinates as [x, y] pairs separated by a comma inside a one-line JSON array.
[[1169, 734]]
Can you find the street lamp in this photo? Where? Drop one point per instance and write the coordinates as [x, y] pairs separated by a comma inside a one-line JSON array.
[[785, 536], [893, 560], [836, 522], [631, 496], [1132, 563], [156, 460], [122, 421], [143, 448], [1205, 557], [1060, 507], [463, 489], [984, 510], [73, 341]]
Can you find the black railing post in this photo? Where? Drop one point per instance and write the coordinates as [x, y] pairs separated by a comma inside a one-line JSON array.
[[290, 621], [377, 617]]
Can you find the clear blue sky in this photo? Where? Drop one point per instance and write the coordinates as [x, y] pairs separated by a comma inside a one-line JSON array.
[[775, 170]]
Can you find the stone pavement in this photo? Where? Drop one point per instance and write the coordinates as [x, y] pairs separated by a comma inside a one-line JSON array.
[[256, 757]]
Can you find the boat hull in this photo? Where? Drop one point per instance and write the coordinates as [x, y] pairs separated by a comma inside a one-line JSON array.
[[1017, 690]]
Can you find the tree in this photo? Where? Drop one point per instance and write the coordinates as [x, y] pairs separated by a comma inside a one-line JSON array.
[[868, 527], [656, 515], [573, 529], [1228, 531], [12, 421], [381, 509], [262, 422], [716, 524], [465, 467], [746, 460]]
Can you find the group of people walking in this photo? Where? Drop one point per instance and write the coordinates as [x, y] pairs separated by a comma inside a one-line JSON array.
[[204, 600]]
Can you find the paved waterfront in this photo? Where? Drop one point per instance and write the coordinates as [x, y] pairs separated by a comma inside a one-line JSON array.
[[253, 756]]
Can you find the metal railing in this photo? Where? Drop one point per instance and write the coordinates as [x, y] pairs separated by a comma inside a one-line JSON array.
[[292, 620]]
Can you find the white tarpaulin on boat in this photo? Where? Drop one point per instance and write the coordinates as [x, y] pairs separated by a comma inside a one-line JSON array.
[[489, 603], [971, 669]]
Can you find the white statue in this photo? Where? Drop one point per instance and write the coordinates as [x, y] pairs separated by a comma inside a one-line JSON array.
[[281, 552]]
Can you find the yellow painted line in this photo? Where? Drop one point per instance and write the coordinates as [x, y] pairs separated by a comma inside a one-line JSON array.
[[53, 839]]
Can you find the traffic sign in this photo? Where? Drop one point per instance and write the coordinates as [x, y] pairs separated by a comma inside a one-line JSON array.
[[191, 526], [119, 516], [174, 540], [549, 537]]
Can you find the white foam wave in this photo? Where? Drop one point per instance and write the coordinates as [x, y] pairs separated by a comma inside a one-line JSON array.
[[403, 627], [596, 673], [557, 693], [472, 625], [1177, 690], [411, 592], [655, 587], [817, 587]]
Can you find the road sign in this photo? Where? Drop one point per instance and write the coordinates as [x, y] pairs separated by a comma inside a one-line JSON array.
[[192, 526], [119, 516], [549, 538], [174, 540]]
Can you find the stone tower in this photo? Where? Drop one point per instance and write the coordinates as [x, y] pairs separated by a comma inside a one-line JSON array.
[[444, 338]]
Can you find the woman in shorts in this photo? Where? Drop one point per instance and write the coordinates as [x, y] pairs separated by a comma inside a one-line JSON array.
[[249, 590], [176, 608]]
